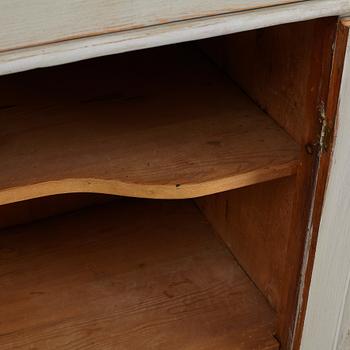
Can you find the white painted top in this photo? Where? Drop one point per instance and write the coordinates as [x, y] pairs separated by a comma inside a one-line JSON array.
[[107, 44], [36, 22]]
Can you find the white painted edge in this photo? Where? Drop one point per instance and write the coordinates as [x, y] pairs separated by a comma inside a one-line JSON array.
[[344, 329], [108, 44], [331, 272]]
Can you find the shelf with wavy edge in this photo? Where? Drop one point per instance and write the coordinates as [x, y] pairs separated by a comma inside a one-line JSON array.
[[160, 123]]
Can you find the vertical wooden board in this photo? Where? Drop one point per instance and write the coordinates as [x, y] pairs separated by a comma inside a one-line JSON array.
[[255, 222], [282, 69]]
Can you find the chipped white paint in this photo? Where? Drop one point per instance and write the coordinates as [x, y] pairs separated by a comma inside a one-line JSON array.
[[36, 22], [328, 311], [107, 44]]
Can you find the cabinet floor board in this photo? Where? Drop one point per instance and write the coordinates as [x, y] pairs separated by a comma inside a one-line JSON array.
[[134, 274]]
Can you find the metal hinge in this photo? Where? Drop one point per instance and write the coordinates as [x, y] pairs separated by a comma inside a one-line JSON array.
[[325, 134]]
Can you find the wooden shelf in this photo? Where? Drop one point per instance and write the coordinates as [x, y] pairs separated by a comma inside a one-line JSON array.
[[135, 274], [160, 123]]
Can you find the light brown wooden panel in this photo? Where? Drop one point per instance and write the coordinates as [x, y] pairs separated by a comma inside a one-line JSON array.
[[286, 70], [283, 69], [132, 275], [163, 123], [250, 230]]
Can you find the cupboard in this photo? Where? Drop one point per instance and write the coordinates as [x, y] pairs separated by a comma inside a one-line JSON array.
[[168, 197]]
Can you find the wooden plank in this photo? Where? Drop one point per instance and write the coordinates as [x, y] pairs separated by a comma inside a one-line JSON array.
[[133, 275], [26, 24], [162, 123], [107, 44]]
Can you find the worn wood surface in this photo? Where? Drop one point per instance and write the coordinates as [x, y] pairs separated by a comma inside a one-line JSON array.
[[36, 22], [162, 123], [157, 35], [290, 81], [133, 275], [345, 21]]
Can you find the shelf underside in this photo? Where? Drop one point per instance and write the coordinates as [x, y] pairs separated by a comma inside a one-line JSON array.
[[161, 123], [135, 274]]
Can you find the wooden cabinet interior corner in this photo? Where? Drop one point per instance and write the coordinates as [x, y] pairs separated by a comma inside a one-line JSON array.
[[232, 122]]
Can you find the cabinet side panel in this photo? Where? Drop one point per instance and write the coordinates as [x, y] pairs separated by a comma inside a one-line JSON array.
[[252, 221], [330, 271], [286, 70]]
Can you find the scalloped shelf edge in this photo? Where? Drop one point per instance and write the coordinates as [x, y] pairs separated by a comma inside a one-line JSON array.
[[151, 191]]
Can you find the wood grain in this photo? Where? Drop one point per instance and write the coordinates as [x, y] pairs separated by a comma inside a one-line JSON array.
[[134, 275], [162, 123], [26, 24], [249, 230]]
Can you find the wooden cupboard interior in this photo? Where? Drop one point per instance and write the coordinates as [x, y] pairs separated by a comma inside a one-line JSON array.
[[217, 141]]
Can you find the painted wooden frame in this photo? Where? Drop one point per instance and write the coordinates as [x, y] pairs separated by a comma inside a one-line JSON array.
[[129, 40], [327, 318], [37, 22]]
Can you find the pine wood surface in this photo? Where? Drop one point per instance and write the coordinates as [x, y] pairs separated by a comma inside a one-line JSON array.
[[135, 274], [162, 123]]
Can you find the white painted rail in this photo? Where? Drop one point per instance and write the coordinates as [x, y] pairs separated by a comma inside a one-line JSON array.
[[107, 44]]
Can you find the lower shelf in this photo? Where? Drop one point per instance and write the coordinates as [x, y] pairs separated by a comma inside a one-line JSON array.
[[134, 274]]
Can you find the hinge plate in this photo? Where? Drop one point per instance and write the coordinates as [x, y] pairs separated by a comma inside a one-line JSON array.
[[325, 134]]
